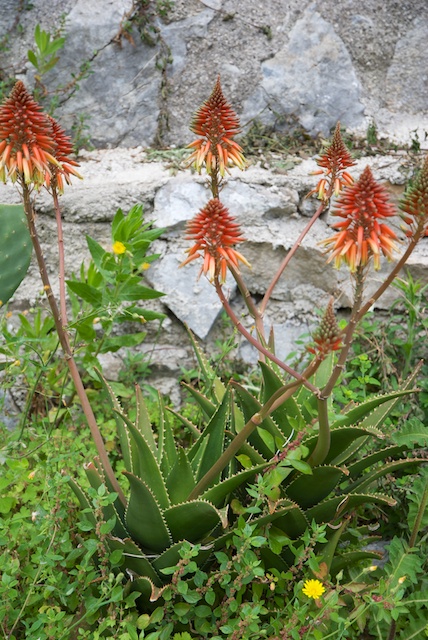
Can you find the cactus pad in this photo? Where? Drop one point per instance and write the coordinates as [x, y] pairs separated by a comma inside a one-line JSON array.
[[15, 249]]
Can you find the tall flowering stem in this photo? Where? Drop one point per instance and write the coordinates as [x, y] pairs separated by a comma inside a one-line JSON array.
[[29, 141], [334, 164]]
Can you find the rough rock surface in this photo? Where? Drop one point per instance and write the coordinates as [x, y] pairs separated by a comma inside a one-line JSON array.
[[301, 62], [272, 211]]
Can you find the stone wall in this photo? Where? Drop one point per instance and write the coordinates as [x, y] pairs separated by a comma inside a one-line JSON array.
[[272, 211], [285, 64]]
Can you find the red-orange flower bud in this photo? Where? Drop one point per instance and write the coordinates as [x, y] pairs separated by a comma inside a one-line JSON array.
[[217, 123], [360, 233], [215, 232]]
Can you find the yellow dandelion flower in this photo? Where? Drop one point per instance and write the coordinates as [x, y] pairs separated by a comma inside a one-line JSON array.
[[145, 266], [313, 589], [118, 248]]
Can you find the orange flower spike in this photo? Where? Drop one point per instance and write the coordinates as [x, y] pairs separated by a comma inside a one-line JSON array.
[[414, 205], [334, 162], [217, 123], [25, 138], [215, 232], [361, 235]]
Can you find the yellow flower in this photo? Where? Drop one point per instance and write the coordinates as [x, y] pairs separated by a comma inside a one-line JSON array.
[[313, 589], [118, 248], [145, 266]]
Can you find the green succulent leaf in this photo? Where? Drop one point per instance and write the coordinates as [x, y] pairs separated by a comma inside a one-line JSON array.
[[145, 466], [205, 403], [365, 414], [356, 469], [124, 440], [375, 474], [346, 560], [218, 493], [143, 422], [250, 405], [342, 443], [213, 434], [305, 399], [167, 449], [192, 521], [181, 481], [308, 491], [144, 519], [134, 559], [211, 379], [334, 508], [288, 416]]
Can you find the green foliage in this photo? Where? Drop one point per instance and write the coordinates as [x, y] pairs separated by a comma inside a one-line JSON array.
[[178, 496], [109, 289], [51, 585], [15, 249], [44, 57]]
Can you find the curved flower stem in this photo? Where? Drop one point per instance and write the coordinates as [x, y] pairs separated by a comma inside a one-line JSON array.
[[65, 344], [291, 253], [349, 332], [322, 446], [249, 302], [61, 277], [418, 520], [258, 345], [255, 421], [400, 264]]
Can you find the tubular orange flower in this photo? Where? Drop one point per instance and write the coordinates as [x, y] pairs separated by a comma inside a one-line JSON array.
[[327, 337], [26, 143], [62, 150], [334, 162], [415, 202], [217, 123], [215, 233], [360, 234]]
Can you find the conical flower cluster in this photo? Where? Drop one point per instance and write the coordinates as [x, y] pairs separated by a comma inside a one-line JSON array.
[[415, 202], [334, 162], [216, 123], [215, 232], [327, 337], [361, 232], [32, 145], [63, 149]]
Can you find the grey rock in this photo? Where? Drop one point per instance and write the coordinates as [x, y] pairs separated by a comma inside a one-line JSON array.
[[311, 78], [407, 77], [118, 96], [192, 300]]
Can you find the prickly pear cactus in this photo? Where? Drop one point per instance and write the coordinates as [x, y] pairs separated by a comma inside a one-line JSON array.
[[15, 249]]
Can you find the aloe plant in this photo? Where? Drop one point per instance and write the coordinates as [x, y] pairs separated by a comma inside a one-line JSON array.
[[177, 495]]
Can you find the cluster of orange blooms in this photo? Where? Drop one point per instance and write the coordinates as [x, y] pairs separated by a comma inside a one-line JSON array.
[[34, 149]]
